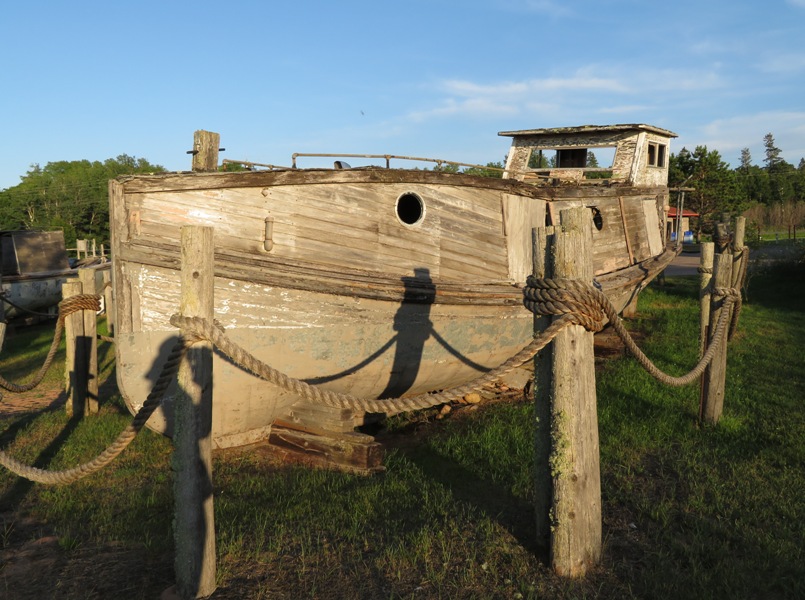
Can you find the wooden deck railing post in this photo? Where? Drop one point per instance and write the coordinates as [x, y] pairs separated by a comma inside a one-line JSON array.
[[75, 364], [90, 343], [574, 458], [194, 527]]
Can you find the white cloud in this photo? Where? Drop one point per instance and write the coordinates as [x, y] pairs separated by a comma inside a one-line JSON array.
[[797, 3], [729, 136], [784, 63], [587, 91], [546, 7]]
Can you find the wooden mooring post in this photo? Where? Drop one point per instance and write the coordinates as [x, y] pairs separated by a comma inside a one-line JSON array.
[[726, 267], [194, 527], [566, 398], [91, 406], [81, 354]]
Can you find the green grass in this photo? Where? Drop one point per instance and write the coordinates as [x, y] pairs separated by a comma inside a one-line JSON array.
[[689, 511]]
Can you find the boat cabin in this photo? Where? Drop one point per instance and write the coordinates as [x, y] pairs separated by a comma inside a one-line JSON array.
[[636, 155], [28, 252]]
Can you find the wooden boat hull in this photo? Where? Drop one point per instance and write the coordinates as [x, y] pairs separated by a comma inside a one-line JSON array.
[[348, 296], [25, 295]]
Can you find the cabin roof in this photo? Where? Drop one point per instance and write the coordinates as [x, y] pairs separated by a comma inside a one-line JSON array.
[[588, 129]]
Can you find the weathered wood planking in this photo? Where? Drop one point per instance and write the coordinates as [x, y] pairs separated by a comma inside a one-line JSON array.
[[461, 227]]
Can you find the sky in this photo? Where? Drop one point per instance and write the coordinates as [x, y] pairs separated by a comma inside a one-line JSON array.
[[94, 80]]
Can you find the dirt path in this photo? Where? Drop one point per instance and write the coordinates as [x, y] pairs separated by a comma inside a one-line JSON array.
[[37, 400]]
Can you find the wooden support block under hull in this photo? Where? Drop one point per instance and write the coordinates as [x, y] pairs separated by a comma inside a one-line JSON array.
[[345, 451]]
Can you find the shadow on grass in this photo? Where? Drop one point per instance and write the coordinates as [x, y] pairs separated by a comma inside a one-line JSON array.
[[12, 498]]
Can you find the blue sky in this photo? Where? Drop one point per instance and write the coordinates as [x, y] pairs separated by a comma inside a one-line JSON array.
[[93, 80]]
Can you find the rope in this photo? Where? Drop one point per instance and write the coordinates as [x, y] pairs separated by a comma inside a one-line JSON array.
[[23, 309], [202, 329], [562, 296], [572, 301], [66, 307], [125, 438]]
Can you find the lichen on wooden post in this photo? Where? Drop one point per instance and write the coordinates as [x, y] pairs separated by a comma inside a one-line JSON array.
[[194, 527]]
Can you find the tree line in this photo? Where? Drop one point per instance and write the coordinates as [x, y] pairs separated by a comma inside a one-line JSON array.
[[73, 195], [68, 195], [770, 196]]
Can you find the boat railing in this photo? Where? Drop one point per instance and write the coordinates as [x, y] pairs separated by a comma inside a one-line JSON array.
[[389, 157], [546, 175]]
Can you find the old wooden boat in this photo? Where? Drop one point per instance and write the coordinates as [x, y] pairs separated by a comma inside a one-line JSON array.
[[374, 281], [34, 267]]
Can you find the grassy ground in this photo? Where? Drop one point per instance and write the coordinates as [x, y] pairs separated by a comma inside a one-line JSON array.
[[689, 511]]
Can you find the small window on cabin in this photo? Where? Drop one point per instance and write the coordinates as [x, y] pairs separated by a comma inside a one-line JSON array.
[[597, 162], [656, 155]]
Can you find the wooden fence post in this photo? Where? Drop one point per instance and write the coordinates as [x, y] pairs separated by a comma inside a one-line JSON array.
[[738, 250], [575, 457], [90, 343], [75, 369], [205, 151], [542, 242], [192, 459], [706, 272], [711, 402]]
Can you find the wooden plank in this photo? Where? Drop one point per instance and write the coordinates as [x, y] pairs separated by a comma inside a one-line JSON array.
[[520, 217], [194, 526], [626, 232]]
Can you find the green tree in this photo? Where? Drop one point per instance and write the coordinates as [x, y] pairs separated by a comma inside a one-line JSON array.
[[493, 169], [69, 195], [715, 187], [782, 175]]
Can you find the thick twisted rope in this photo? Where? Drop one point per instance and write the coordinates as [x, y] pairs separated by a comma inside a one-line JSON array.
[[197, 329], [125, 438], [66, 307], [572, 301], [202, 329], [564, 296]]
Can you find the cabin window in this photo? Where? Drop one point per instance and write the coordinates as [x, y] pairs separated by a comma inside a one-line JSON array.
[[410, 208], [596, 162], [656, 155], [598, 220]]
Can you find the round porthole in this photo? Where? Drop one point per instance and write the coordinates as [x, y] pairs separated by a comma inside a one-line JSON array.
[[410, 208], [598, 220]]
